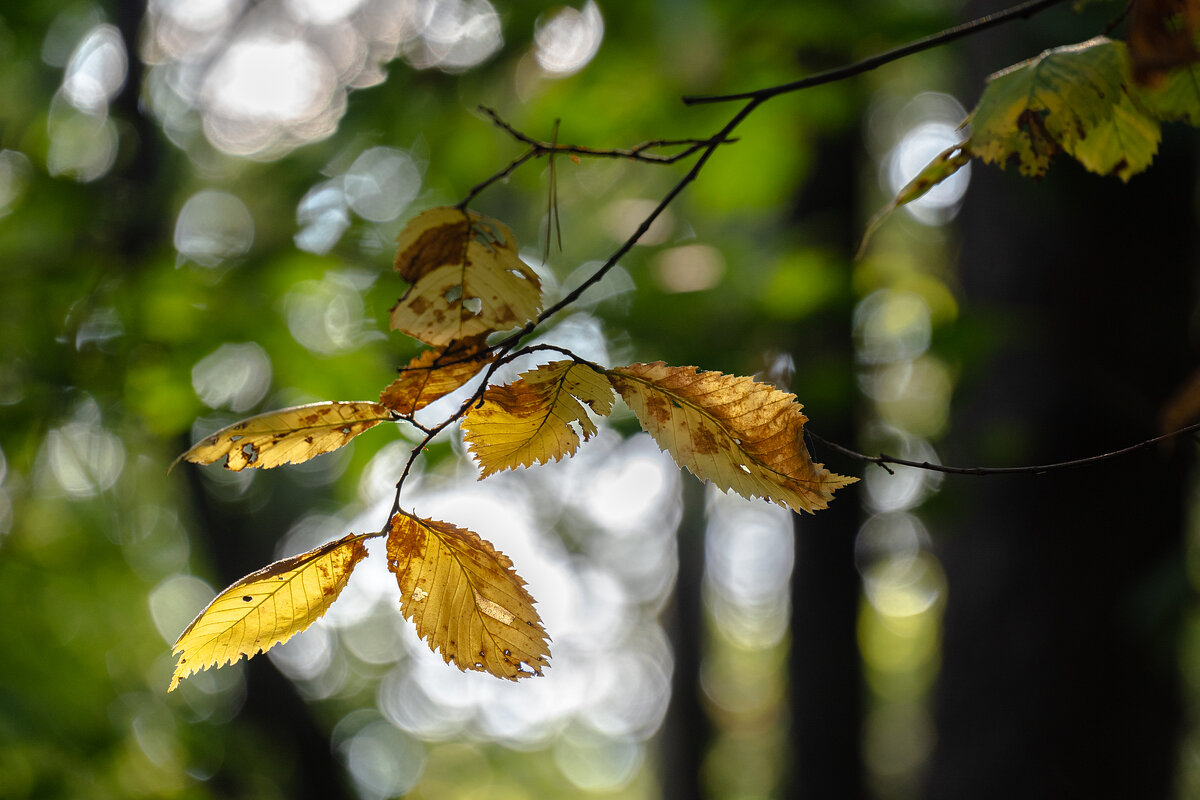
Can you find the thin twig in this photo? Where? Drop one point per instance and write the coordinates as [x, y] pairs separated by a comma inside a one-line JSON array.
[[1022, 10], [1119, 18], [501, 175], [538, 149], [883, 460], [713, 143], [635, 153], [552, 219]]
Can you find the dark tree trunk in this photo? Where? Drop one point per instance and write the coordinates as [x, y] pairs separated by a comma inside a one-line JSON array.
[[274, 711], [825, 671], [686, 730], [1060, 648]]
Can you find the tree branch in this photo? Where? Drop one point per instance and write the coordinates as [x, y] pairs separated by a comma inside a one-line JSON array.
[[635, 153], [707, 149], [883, 460], [1022, 11], [538, 148]]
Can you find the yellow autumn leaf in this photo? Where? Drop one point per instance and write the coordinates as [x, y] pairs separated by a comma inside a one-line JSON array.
[[743, 436], [467, 279], [465, 598], [434, 374], [532, 420], [267, 607], [287, 436]]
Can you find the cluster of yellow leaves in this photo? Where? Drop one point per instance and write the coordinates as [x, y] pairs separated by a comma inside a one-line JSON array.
[[462, 593], [743, 436]]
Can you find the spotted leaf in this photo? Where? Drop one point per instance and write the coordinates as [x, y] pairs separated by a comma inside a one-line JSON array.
[[465, 598], [534, 419], [434, 374], [741, 435], [267, 607], [287, 436], [467, 279]]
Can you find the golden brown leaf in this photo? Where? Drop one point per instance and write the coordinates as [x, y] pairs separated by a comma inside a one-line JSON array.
[[467, 278], [530, 420], [465, 598], [434, 374], [267, 607], [742, 435], [1161, 37], [287, 436]]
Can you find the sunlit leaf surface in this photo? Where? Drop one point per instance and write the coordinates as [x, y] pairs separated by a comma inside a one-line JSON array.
[[465, 598], [744, 436], [434, 374], [532, 420], [467, 278], [287, 436], [267, 607]]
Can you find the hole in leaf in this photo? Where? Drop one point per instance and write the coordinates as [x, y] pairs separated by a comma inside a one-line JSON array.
[[453, 293], [250, 452], [518, 273], [473, 304], [744, 468]]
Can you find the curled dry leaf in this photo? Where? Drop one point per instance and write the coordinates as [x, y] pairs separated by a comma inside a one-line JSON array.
[[948, 162], [532, 420], [467, 279], [434, 374], [287, 436], [267, 607], [743, 436], [465, 598]]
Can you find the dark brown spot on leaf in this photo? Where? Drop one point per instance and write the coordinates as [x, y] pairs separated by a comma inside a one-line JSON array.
[[444, 244], [418, 305], [704, 442]]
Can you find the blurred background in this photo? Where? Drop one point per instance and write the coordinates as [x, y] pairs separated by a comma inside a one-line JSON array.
[[198, 204]]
